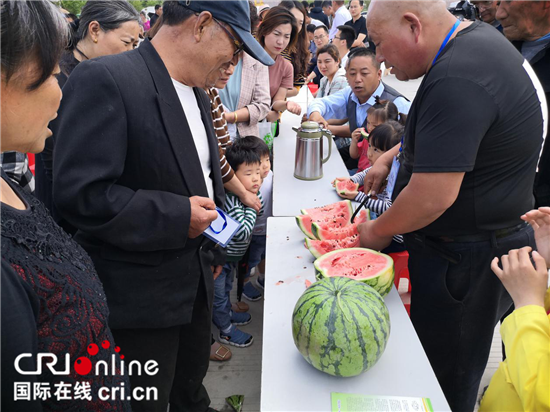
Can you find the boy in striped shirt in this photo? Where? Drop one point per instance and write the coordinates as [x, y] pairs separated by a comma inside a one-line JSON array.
[[245, 161]]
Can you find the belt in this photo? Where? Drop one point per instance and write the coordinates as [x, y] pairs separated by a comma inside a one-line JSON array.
[[480, 237]]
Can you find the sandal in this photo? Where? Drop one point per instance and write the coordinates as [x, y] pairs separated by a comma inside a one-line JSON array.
[[240, 307], [219, 352]]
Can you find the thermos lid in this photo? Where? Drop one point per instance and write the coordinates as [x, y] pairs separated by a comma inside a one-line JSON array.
[[310, 130]]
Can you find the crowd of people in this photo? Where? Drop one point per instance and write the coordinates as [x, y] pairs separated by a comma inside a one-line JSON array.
[[157, 134]]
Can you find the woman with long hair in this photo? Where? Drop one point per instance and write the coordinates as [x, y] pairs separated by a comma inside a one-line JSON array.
[[299, 54], [277, 32], [52, 299], [105, 27]]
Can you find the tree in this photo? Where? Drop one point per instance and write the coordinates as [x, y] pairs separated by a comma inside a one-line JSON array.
[[72, 6]]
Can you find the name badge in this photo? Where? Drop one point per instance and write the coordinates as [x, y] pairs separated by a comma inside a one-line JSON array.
[[222, 230]]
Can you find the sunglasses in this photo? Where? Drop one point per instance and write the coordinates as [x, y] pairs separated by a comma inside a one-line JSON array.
[[239, 46]]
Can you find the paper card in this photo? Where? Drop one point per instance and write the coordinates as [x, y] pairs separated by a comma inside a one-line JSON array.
[[346, 402], [222, 230]]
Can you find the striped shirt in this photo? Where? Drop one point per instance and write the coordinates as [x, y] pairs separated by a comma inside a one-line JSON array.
[[375, 206], [220, 127], [247, 217]]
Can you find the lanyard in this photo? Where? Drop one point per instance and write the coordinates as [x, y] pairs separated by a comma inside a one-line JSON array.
[[446, 40]]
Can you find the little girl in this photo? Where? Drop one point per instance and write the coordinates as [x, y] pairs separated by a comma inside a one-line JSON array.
[[381, 112], [381, 139]]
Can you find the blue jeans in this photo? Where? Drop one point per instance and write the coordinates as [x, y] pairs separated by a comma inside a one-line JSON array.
[[221, 310], [256, 252], [456, 306]]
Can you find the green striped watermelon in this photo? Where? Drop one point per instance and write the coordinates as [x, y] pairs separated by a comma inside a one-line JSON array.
[[366, 265], [341, 326]]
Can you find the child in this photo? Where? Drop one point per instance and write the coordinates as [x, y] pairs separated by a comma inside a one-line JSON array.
[[257, 245], [246, 164], [381, 139], [522, 381], [381, 112]]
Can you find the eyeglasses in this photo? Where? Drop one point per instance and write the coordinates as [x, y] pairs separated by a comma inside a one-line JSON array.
[[237, 43], [337, 38], [319, 37]]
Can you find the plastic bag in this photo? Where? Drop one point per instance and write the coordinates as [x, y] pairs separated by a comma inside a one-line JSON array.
[[266, 133], [236, 402]]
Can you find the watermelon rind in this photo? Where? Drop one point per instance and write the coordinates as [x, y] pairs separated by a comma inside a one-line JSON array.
[[382, 282], [341, 326], [304, 227], [347, 203]]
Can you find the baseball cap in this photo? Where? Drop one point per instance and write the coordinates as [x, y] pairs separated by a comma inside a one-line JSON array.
[[263, 8], [235, 13]]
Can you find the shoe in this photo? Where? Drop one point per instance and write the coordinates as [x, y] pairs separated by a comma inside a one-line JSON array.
[[251, 293], [219, 352], [240, 307], [260, 282], [236, 337], [240, 319]]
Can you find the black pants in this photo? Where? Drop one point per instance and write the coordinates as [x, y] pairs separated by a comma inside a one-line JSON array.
[[455, 308], [182, 353]]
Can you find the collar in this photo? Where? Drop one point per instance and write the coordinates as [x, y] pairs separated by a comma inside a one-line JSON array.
[[378, 92]]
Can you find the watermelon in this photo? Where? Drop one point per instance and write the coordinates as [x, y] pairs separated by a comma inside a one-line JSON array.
[[364, 133], [346, 186], [340, 326], [333, 209], [335, 215], [365, 265], [330, 232], [319, 247]]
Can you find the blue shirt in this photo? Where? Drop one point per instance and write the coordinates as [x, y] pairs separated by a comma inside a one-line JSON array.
[[231, 94], [335, 105]]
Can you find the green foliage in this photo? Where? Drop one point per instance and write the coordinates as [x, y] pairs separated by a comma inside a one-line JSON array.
[[72, 6]]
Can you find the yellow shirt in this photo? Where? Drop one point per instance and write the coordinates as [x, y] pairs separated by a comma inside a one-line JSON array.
[[522, 382]]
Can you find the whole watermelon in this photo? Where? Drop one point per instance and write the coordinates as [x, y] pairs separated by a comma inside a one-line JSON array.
[[341, 326]]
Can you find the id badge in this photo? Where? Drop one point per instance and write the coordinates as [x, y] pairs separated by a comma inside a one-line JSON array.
[[392, 178]]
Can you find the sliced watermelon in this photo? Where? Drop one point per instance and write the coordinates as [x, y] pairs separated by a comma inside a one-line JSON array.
[[304, 223], [365, 265], [325, 231], [333, 209], [319, 247], [346, 186], [364, 133]]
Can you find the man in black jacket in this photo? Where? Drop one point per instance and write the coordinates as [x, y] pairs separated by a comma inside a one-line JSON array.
[[527, 25], [158, 13], [137, 171], [317, 13]]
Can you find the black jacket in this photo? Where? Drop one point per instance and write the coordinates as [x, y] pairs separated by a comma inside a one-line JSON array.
[[317, 13], [541, 66], [125, 165]]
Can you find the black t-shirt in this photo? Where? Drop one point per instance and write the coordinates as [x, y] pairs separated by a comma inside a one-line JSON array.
[[360, 26], [477, 111]]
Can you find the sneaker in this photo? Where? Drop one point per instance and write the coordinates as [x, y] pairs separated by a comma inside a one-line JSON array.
[[236, 337], [240, 318], [251, 293], [260, 282]]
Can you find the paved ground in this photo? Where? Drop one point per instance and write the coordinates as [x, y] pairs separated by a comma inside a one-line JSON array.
[[242, 374]]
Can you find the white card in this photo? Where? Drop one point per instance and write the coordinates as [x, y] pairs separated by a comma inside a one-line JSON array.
[[222, 230]]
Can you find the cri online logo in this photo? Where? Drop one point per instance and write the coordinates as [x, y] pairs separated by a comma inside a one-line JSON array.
[[82, 366]]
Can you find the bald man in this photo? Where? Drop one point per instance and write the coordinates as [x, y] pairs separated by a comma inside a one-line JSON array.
[[468, 161]]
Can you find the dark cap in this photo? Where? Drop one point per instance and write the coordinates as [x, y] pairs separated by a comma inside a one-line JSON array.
[[235, 13]]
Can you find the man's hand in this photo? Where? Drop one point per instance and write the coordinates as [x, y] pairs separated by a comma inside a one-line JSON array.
[[369, 240], [293, 107], [525, 283], [540, 221], [203, 212], [316, 117], [379, 172], [216, 271], [251, 200]]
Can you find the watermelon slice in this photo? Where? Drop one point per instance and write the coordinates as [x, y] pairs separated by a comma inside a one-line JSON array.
[[365, 265], [333, 209], [346, 186], [325, 231], [364, 133], [319, 247]]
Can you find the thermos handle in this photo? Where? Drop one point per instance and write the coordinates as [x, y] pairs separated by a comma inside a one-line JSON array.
[[295, 129], [328, 134]]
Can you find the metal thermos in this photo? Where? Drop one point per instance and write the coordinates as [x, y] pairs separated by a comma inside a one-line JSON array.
[[308, 164]]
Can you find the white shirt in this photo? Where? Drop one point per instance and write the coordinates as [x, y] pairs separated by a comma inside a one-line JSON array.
[[194, 119], [344, 61], [317, 22], [341, 16]]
